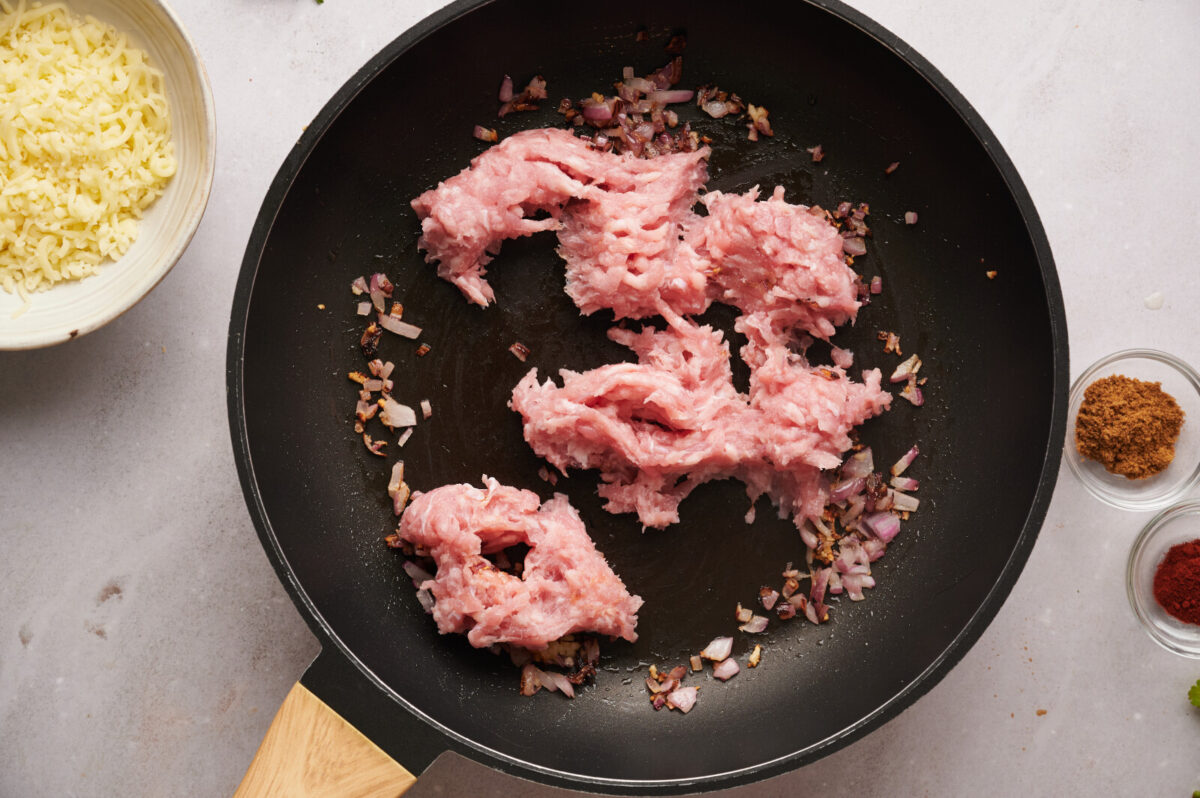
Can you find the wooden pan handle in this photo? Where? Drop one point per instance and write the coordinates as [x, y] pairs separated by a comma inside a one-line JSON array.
[[310, 751]]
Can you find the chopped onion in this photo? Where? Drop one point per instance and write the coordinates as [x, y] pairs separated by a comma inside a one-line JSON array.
[[893, 166], [817, 152], [696, 663], [519, 351], [768, 597], [397, 488], [755, 657], [854, 246], [743, 614], [756, 624], [883, 525], [905, 483], [859, 464], [364, 308], [553, 680], [843, 490], [906, 369], [667, 96], [506, 89], [373, 446], [425, 599], [402, 328], [726, 669], [877, 285], [902, 502], [683, 698], [415, 572], [905, 461], [359, 286], [404, 436], [531, 679], [395, 414], [910, 217], [912, 392], [426, 408], [720, 648], [485, 134]]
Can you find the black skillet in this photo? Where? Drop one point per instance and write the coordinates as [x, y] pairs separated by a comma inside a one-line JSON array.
[[995, 353]]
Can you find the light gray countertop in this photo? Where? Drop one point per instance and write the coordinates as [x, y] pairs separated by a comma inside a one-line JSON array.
[[145, 642]]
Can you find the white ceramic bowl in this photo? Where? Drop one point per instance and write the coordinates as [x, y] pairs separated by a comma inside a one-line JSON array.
[[1154, 493], [74, 308]]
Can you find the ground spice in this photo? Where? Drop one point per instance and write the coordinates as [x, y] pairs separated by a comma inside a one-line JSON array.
[[1177, 582], [1129, 426]]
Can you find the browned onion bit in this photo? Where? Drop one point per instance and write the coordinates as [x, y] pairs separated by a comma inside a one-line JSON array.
[[785, 610], [817, 152], [370, 339], [893, 166], [519, 351], [891, 342], [394, 541], [487, 134], [527, 100], [991, 274], [423, 350], [755, 657], [373, 446]]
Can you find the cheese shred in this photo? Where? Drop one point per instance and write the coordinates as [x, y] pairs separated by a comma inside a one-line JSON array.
[[85, 144]]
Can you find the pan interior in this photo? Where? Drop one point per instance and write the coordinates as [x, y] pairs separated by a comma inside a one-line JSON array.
[[988, 345]]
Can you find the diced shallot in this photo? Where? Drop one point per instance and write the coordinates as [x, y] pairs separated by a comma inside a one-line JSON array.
[[359, 286], [768, 597], [395, 414], [905, 461], [720, 648], [906, 369], [401, 328], [726, 669], [902, 502], [397, 488], [883, 525], [364, 308], [683, 698], [426, 409], [756, 624], [905, 483]]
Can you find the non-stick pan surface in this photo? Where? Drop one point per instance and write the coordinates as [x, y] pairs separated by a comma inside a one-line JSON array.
[[990, 433]]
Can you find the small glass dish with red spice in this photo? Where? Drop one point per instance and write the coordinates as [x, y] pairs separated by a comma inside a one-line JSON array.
[[1152, 593], [1181, 382]]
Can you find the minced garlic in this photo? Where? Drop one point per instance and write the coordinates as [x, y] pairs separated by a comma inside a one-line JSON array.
[[84, 144]]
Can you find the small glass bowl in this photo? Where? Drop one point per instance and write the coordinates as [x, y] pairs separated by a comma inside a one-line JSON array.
[[1153, 493], [1177, 524]]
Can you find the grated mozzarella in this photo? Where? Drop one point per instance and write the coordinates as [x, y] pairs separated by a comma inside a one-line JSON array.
[[84, 144]]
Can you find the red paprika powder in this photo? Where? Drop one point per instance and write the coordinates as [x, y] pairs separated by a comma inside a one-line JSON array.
[[1177, 582]]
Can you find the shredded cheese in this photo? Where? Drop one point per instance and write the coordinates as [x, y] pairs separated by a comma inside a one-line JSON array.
[[85, 144]]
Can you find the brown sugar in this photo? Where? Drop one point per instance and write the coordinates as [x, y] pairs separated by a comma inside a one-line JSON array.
[[1129, 426]]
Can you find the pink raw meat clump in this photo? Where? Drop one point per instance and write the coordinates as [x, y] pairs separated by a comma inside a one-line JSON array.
[[621, 220], [566, 585]]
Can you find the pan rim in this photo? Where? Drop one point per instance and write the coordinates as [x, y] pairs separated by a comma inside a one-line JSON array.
[[922, 683]]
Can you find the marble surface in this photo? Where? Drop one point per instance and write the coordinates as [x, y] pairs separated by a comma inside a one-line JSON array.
[[145, 642]]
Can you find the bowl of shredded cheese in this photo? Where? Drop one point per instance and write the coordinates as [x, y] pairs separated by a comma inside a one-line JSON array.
[[107, 151]]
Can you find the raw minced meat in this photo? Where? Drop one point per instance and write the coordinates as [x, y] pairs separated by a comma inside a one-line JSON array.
[[621, 220], [776, 258], [632, 243], [655, 429], [658, 428], [565, 586]]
